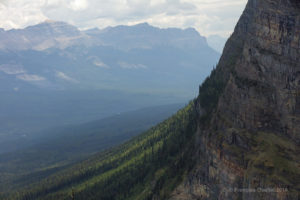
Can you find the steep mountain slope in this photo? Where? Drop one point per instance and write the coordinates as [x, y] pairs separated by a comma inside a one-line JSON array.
[[249, 134], [238, 140]]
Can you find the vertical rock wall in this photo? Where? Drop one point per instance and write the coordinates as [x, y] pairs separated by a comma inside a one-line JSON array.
[[250, 147]]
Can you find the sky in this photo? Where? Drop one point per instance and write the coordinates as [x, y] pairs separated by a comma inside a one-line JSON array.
[[209, 17]]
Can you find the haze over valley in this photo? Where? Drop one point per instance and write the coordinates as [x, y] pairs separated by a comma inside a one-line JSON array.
[[53, 74]]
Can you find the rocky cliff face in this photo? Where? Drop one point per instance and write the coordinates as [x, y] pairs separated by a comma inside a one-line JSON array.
[[248, 144]]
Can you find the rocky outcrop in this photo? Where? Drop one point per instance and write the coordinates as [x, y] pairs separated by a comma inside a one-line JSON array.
[[249, 146]]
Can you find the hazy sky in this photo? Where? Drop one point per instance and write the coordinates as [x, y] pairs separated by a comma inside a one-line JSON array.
[[207, 16]]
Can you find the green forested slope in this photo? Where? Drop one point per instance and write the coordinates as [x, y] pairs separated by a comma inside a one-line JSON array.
[[150, 165], [64, 146]]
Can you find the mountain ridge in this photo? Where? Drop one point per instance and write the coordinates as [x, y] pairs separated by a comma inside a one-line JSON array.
[[54, 32], [57, 55]]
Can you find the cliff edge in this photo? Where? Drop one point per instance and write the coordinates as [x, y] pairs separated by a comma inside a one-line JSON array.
[[249, 111]]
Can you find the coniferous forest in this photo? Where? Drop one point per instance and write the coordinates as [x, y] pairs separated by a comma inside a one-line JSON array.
[[150, 165]]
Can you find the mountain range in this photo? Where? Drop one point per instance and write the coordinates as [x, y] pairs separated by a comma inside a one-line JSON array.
[[56, 55]]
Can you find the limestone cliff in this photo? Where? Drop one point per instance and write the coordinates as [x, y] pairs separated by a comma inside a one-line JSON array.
[[249, 111]]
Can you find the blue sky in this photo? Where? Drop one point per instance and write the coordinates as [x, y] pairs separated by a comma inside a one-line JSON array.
[[209, 17]]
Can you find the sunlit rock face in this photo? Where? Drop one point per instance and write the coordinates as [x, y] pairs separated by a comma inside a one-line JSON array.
[[249, 149]]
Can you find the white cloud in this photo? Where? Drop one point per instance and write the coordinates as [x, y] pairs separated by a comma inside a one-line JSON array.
[[65, 77], [207, 16], [30, 77], [126, 65], [12, 69], [100, 64], [17, 14], [16, 89], [78, 5]]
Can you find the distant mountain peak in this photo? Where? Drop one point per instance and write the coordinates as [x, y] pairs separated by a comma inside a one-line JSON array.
[[60, 26], [145, 24], [93, 29], [54, 23], [53, 29], [49, 21], [192, 31]]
